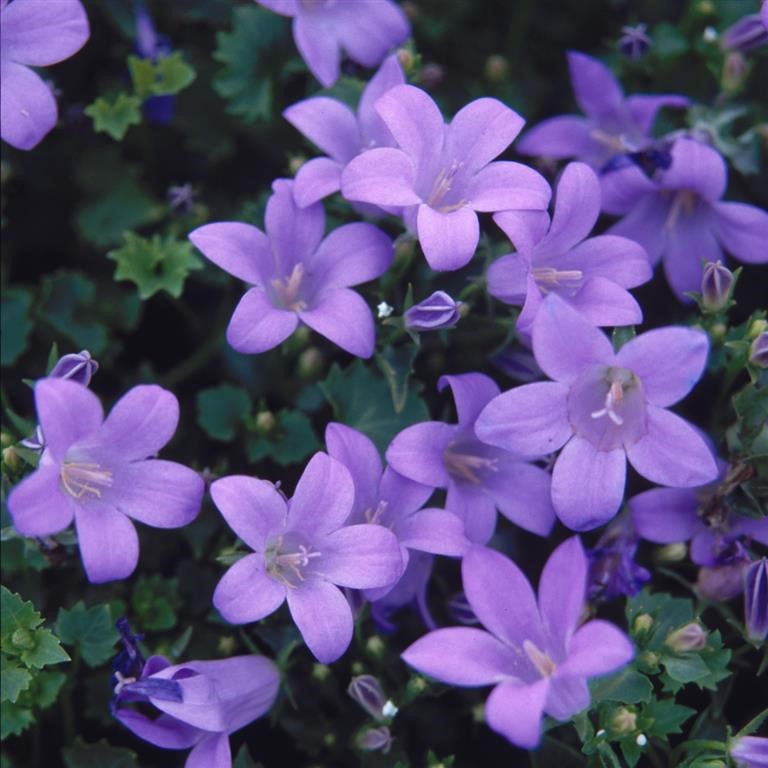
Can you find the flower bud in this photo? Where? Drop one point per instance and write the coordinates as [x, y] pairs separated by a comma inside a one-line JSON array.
[[311, 363], [691, 637], [716, 287], [634, 42], [375, 739], [735, 70], [77, 367], [758, 352], [672, 553], [747, 33], [756, 600], [430, 75], [642, 623], [432, 314], [750, 751], [265, 422], [496, 68], [624, 721], [367, 692], [10, 457]]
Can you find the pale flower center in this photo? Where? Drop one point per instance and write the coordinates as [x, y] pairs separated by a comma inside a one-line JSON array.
[[374, 516], [542, 661], [442, 186], [613, 398], [81, 479], [466, 466], [683, 203], [287, 557], [548, 278], [287, 290]]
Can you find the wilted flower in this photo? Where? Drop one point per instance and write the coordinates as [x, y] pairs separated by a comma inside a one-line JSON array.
[[634, 41], [433, 314], [756, 600], [98, 471], [533, 653], [34, 33], [716, 286]]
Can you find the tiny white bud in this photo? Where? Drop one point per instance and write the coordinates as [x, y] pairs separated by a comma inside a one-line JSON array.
[[710, 35], [389, 709], [384, 309], [641, 740], [600, 733]]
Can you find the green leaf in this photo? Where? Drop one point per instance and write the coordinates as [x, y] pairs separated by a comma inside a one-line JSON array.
[[45, 688], [91, 630], [46, 650], [665, 716], [397, 366], [167, 76], [16, 324], [668, 41], [99, 755], [291, 440], [222, 411], [622, 335], [142, 76], [13, 679], [751, 406], [244, 759], [156, 264], [154, 600], [115, 117], [14, 719], [686, 669], [17, 615], [362, 400], [626, 686]]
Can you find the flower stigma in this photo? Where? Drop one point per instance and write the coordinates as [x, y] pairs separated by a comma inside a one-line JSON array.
[[548, 278], [542, 661], [287, 289], [286, 560], [465, 466], [81, 479], [620, 379], [442, 186]]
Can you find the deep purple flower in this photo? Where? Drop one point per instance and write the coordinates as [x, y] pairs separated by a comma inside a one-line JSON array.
[[442, 174], [34, 33], [750, 751], [678, 215], [724, 579], [341, 134], [613, 571], [554, 257], [756, 600], [634, 41], [604, 408], [303, 552], [150, 45], [479, 478], [613, 124], [533, 653], [296, 278], [750, 31], [201, 703], [433, 313], [322, 29], [99, 472]]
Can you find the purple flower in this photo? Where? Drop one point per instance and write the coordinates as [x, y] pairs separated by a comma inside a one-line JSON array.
[[303, 549], [98, 471], [34, 33], [533, 653], [634, 41], [365, 31], [604, 408], [756, 600], [78, 367], [750, 31], [150, 45], [442, 174], [725, 578], [341, 134], [717, 283], [750, 751], [201, 703], [678, 215], [553, 257], [613, 571], [296, 278], [613, 124], [433, 314], [758, 351], [479, 478]]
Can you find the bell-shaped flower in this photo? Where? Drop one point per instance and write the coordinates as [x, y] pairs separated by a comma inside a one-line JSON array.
[[613, 124], [34, 33], [480, 478], [442, 175], [340, 133], [603, 408], [322, 29], [534, 652], [435, 313], [678, 216], [296, 275], [591, 274], [100, 472], [303, 551], [200, 704]]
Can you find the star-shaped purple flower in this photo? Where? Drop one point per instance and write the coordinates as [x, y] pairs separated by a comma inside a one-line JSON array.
[[604, 408], [201, 703], [304, 550], [322, 29], [442, 175], [297, 276], [678, 215], [554, 257], [480, 478], [341, 134], [614, 124], [99, 472], [34, 33], [536, 655]]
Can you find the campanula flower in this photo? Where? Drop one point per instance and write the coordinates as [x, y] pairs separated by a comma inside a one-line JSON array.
[[613, 571], [100, 472], [603, 408], [434, 313], [634, 41], [750, 751], [303, 551], [323, 29], [443, 175], [533, 652], [34, 33], [297, 277], [150, 45]]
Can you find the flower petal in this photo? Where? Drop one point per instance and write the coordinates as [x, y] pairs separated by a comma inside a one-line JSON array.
[[213, 751], [742, 230], [597, 648], [587, 484], [28, 109], [603, 303], [504, 185], [644, 107], [319, 49], [257, 325], [561, 608], [417, 452], [382, 176], [316, 179], [623, 189], [323, 497], [371, 30], [515, 710], [360, 557], [696, 167], [448, 240], [646, 224], [108, 542], [507, 279], [245, 593], [360, 456], [531, 420], [558, 137], [164, 731], [567, 696], [324, 618], [433, 530], [462, 656], [294, 233], [690, 243], [389, 75], [523, 228], [471, 393], [669, 361], [595, 88], [672, 452], [328, 124], [240, 249], [666, 515], [68, 412], [343, 317], [615, 258], [476, 508], [252, 508], [37, 504]]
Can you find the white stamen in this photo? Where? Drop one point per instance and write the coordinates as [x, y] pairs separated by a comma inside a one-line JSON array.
[[293, 562], [287, 289], [547, 277], [374, 516], [122, 682], [442, 187], [466, 466], [613, 398], [80, 479], [542, 661]]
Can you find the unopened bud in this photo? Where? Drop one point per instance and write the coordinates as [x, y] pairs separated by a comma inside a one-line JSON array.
[[406, 58], [735, 69], [10, 457], [375, 645], [295, 162], [227, 645], [672, 553], [265, 422], [430, 75], [367, 692], [758, 352], [434, 313], [716, 287], [6, 439], [375, 740], [756, 600], [643, 623], [634, 42], [77, 367], [311, 363], [691, 637], [624, 721], [496, 68], [321, 672], [23, 639], [649, 661], [722, 582], [641, 740], [747, 33]]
